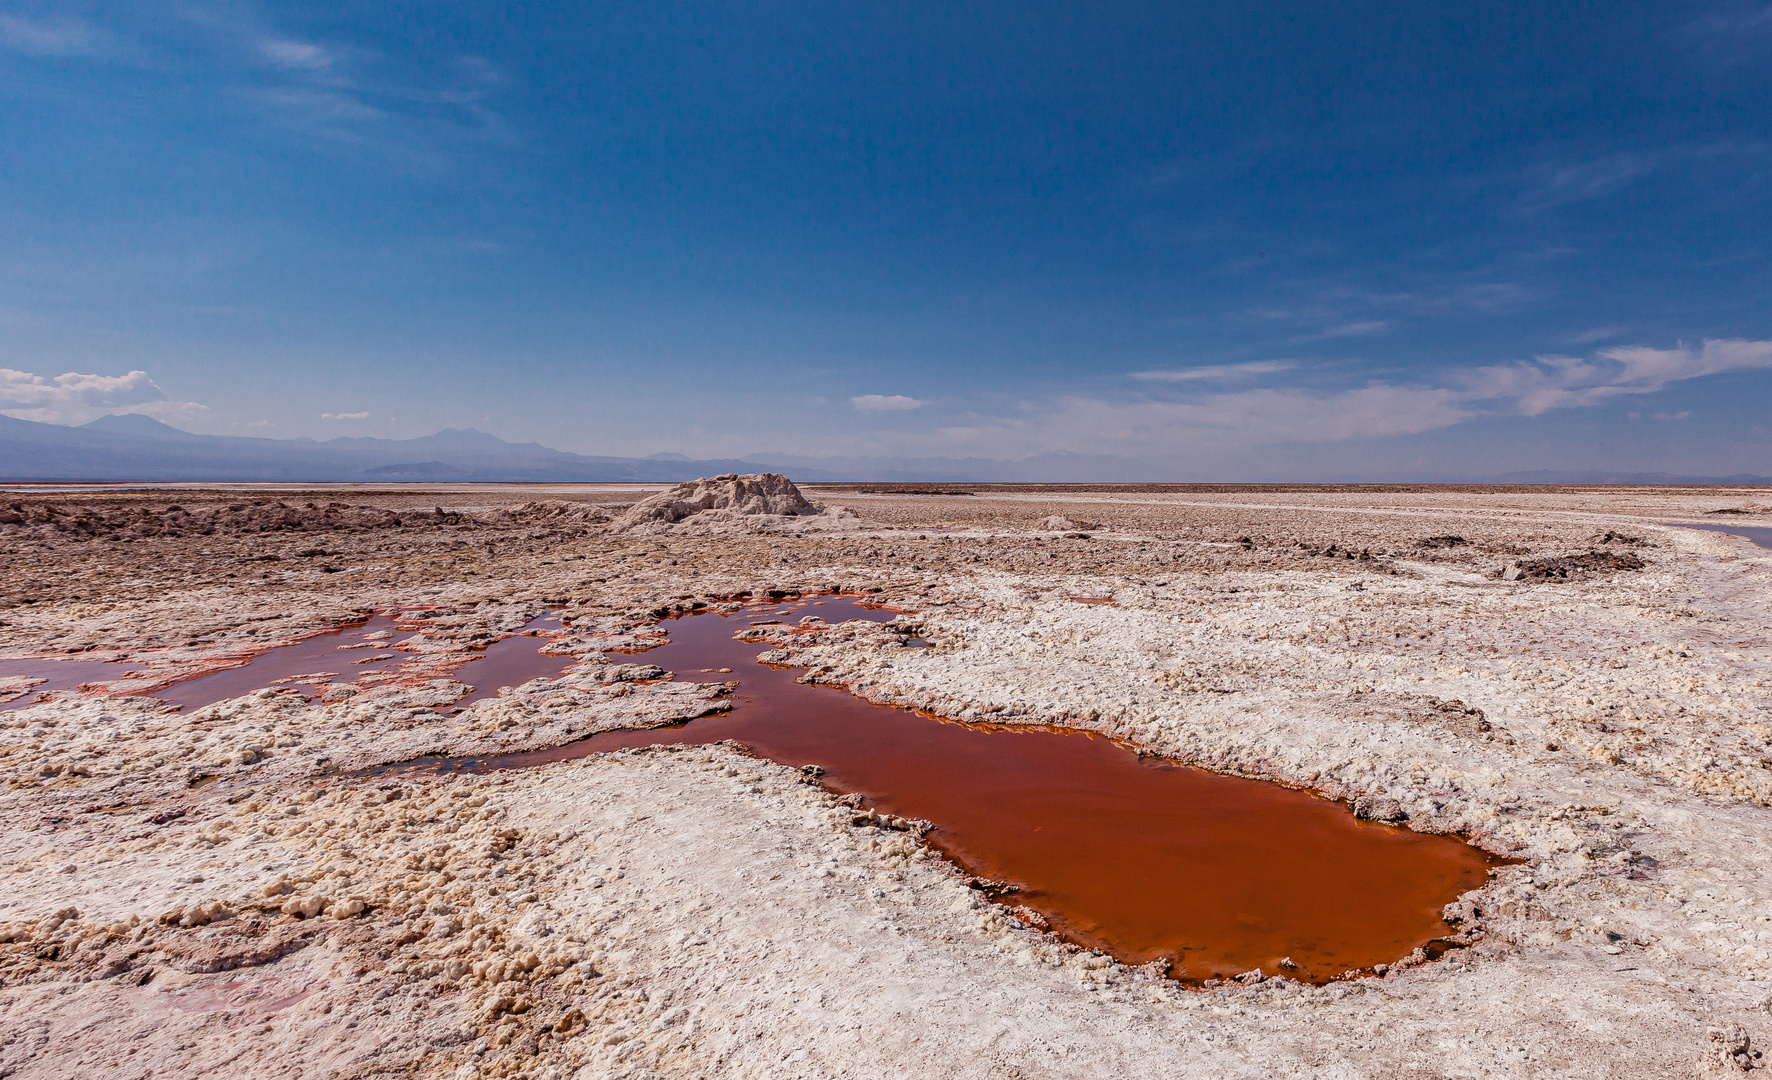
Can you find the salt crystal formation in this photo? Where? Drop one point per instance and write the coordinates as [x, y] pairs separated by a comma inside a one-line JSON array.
[[726, 503]]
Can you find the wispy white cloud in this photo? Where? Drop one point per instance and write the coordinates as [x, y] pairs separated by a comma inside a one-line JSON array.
[[1466, 296], [1288, 415], [1732, 33], [1228, 421], [1338, 311], [1683, 414], [1563, 382], [1215, 423], [885, 403], [296, 55], [1357, 329], [339, 94], [345, 415], [1216, 372], [1559, 183], [48, 37], [335, 115], [426, 112], [1350, 329], [74, 398]]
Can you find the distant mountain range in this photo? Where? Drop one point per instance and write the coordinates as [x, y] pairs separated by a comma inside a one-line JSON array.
[[134, 447], [1565, 476], [1041, 469], [138, 448]]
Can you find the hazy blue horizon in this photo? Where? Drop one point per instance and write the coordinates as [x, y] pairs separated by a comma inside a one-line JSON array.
[[1274, 242], [134, 447]]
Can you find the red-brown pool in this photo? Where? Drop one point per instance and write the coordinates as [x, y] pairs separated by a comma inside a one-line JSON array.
[[512, 662], [23, 681], [341, 655], [1138, 857], [349, 653]]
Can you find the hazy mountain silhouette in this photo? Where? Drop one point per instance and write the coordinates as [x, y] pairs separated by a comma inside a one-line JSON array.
[[123, 448], [1593, 476], [134, 447], [1056, 468]]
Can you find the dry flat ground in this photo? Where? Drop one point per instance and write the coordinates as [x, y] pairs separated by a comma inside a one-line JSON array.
[[1555, 673]]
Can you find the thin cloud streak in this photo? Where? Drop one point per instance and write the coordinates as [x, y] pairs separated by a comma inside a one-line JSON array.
[[885, 403], [1215, 423], [336, 94], [1352, 329], [1563, 382], [1224, 421], [1553, 184], [296, 55], [47, 37], [1738, 33], [1216, 371]]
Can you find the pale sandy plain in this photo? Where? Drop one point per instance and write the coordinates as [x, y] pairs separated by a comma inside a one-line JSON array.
[[215, 894]]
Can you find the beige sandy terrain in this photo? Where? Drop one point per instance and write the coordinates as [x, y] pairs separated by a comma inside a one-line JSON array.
[[1558, 675]]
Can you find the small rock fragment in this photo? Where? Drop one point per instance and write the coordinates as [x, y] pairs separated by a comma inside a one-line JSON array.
[[1379, 808], [304, 907]]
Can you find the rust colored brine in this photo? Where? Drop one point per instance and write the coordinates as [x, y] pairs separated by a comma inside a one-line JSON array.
[[52, 676], [1138, 857], [371, 648], [307, 665], [510, 662]]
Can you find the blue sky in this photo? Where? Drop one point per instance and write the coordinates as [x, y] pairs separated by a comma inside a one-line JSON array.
[[1262, 240]]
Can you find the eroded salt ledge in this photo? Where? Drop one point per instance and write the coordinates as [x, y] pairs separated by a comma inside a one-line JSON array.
[[700, 913]]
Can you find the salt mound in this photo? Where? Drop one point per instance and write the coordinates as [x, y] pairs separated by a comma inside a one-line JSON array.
[[722, 503]]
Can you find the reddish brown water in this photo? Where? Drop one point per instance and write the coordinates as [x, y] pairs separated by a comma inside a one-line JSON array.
[[337, 656], [1138, 857], [307, 665], [512, 662], [59, 676], [344, 655]]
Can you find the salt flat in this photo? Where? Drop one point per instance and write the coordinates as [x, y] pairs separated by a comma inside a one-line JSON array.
[[1557, 674]]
